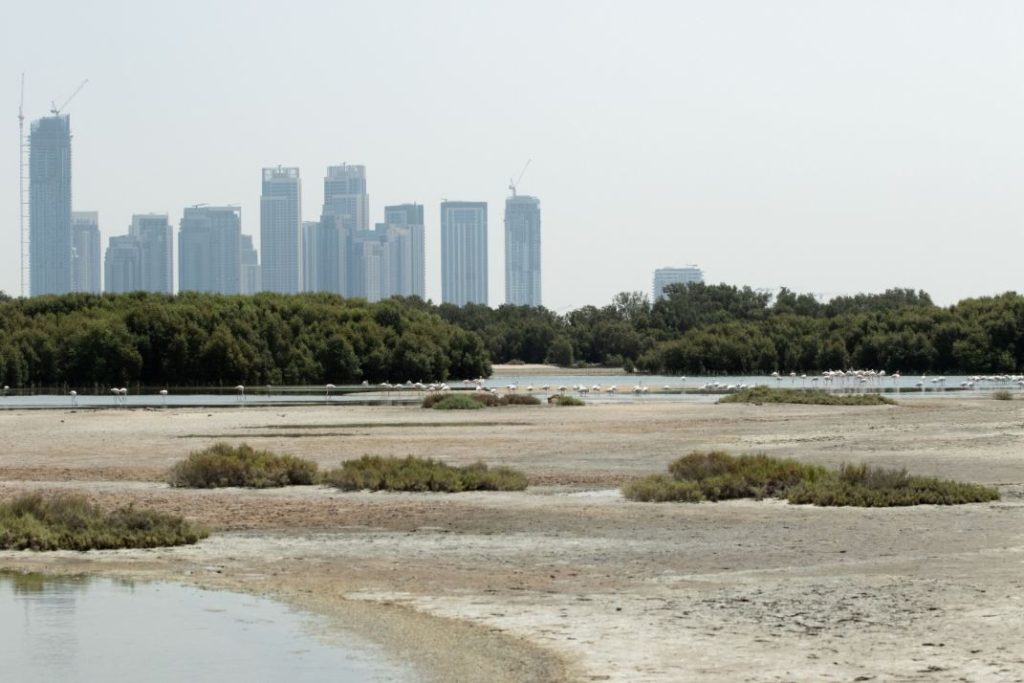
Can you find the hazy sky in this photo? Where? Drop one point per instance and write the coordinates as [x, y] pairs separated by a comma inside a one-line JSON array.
[[825, 146]]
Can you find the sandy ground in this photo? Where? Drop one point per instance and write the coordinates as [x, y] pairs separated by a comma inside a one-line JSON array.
[[567, 581]]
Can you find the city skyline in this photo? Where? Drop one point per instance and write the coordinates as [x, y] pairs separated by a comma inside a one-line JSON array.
[[742, 136]]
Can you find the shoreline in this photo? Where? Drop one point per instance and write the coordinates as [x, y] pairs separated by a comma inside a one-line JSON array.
[[566, 580]]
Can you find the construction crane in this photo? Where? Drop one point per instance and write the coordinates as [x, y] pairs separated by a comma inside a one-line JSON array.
[[55, 110], [513, 184]]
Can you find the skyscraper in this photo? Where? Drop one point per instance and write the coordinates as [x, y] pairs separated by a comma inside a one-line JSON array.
[[281, 230], [85, 255], [50, 206], [345, 196], [522, 251], [411, 216], [310, 253], [250, 265], [210, 249], [122, 266], [464, 252], [156, 242], [664, 277]]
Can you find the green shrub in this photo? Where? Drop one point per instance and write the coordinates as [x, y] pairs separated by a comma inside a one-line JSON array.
[[35, 522], [488, 399], [522, 400], [763, 394], [1002, 395], [455, 402], [223, 465], [562, 400], [421, 474], [720, 476], [658, 488]]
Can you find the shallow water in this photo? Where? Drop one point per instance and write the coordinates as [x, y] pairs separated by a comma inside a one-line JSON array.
[[90, 630], [661, 387]]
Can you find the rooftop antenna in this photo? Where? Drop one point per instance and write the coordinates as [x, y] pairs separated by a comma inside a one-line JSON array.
[[513, 184], [23, 191], [55, 110]]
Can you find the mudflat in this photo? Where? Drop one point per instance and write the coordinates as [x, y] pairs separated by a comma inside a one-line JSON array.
[[567, 581]]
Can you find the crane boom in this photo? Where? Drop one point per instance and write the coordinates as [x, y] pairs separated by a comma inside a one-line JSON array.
[[55, 110], [514, 184]]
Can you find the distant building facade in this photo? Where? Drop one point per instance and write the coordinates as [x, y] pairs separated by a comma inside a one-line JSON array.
[[464, 252], [122, 265], [410, 216], [522, 251], [664, 277], [345, 196], [210, 250], [86, 266], [50, 206], [156, 244], [250, 267], [281, 230]]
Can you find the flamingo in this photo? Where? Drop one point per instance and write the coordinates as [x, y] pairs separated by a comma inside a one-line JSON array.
[[74, 397], [328, 387], [241, 392], [163, 397]]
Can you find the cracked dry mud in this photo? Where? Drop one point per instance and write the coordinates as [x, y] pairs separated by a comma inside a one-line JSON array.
[[566, 581]]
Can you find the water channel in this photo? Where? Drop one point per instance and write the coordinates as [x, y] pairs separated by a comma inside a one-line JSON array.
[[92, 630]]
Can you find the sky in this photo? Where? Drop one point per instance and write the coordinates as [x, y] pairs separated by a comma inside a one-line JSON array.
[[829, 147]]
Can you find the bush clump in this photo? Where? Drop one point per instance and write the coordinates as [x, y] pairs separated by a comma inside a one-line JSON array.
[[454, 402], [421, 474], [35, 522], [1002, 395], [864, 486], [522, 400], [224, 465], [819, 397], [719, 476], [563, 400]]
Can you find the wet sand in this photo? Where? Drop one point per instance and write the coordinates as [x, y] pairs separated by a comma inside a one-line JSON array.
[[567, 581]]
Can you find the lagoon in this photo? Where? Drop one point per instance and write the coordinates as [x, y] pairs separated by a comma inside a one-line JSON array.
[[90, 630]]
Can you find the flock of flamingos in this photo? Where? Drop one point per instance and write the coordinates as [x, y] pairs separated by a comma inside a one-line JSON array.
[[831, 380]]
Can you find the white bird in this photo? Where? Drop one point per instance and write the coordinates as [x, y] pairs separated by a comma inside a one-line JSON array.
[[74, 397]]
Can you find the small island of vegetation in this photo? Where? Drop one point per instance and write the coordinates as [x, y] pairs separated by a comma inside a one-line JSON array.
[[67, 522], [818, 397], [718, 476]]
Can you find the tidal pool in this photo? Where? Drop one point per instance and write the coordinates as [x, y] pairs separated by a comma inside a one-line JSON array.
[[90, 630]]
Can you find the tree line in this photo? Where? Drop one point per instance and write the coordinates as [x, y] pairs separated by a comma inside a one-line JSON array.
[[204, 339]]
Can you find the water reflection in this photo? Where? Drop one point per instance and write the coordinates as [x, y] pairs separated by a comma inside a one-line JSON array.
[[98, 629]]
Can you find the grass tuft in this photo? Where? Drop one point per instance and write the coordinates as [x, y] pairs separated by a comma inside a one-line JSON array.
[[224, 465], [719, 476], [562, 400], [35, 522], [818, 397], [421, 474], [1002, 395]]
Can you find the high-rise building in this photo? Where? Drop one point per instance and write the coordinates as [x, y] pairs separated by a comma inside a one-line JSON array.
[[411, 216], [345, 196], [310, 254], [122, 266], [50, 206], [250, 267], [464, 252], [664, 277], [85, 252], [369, 266], [281, 230], [210, 249], [156, 242], [522, 251]]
